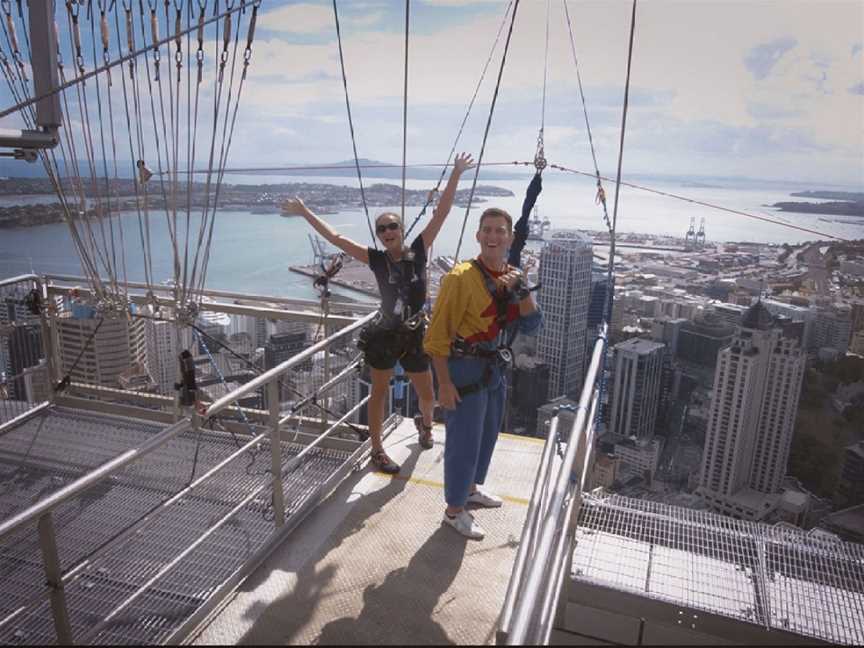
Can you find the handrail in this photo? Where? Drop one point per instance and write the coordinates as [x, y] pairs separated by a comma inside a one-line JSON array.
[[280, 369], [526, 617], [534, 511], [42, 511], [18, 279], [211, 292], [92, 478]]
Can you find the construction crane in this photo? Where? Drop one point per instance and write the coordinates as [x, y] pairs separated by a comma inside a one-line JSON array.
[[700, 235], [690, 237]]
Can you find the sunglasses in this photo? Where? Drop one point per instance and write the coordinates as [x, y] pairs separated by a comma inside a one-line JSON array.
[[389, 226]]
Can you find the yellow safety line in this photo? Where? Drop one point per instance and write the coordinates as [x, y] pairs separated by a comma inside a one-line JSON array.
[[519, 437], [434, 484]]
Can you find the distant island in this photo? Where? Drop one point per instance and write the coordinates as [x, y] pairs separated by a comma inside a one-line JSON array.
[[258, 199], [843, 203], [854, 196]]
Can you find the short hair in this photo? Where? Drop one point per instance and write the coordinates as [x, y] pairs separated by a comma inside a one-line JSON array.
[[393, 214], [496, 212]]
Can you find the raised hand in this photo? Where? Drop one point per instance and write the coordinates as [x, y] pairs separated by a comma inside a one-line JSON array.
[[463, 162], [295, 207]]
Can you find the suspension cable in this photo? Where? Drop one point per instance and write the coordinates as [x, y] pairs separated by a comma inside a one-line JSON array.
[[351, 123], [601, 194], [611, 263], [488, 125], [702, 203], [104, 68], [405, 107], [540, 154], [462, 125]]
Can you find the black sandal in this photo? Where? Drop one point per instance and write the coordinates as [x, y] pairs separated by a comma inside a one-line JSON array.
[[424, 433], [383, 463]]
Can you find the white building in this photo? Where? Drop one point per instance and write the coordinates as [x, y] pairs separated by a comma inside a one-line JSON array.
[[636, 388], [752, 417], [107, 347], [565, 275], [164, 344], [832, 328]]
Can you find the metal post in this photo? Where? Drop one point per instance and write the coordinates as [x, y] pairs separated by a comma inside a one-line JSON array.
[[325, 307], [54, 579], [47, 338], [276, 452]]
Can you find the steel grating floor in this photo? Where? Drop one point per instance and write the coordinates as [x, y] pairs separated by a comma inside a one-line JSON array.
[[776, 577], [46, 452]]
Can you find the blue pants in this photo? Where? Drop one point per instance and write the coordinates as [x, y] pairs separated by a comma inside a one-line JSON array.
[[472, 428]]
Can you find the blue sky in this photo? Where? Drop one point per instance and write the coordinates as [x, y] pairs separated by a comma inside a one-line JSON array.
[[760, 88]]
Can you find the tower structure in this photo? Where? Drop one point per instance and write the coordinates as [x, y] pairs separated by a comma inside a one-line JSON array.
[[757, 384], [97, 350], [565, 275], [636, 388]]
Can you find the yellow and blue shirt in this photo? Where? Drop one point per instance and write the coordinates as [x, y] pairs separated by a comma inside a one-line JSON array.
[[465, 308]]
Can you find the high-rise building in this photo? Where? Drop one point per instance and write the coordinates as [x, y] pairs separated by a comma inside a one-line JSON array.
[[636, 388], [832, 328], [164, 343], [731, 314], [700, 341], [97, 350], [22, 350], [527, 391], [668, 331], [850, 488], [565, 275], [752, 417], [795, 313]]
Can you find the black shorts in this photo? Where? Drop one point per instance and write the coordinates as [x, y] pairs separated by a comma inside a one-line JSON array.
[[384, 347]]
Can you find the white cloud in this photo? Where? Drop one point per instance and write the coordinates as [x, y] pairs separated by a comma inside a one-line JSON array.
[[690, 70], [298, 19]]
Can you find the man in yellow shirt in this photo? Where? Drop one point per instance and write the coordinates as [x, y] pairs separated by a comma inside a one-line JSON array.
[[481, 305]]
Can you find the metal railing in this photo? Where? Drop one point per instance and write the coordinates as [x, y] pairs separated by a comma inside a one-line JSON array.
[[24, 351], [42, 513], [546, 546]]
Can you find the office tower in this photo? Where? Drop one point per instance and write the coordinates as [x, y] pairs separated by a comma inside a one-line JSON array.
[[164, 343], [636, 388], [832, 328], [597, 304], [850, 488], [752, 416], [806, 316], [565, 275], [103, 347], [668, 332], [700, 341], [731, 314], [527, 389], [22, 349]]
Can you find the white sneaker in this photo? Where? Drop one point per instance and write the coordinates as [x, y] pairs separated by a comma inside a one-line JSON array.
[[486, 500], [465, 524]]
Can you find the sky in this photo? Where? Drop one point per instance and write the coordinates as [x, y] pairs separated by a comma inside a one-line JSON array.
[[758, 89]]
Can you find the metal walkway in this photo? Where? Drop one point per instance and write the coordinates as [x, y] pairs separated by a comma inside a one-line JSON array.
[[374, 565], [136, 534]]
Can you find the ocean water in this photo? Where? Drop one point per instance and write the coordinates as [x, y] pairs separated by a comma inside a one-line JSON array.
[[253, 252]]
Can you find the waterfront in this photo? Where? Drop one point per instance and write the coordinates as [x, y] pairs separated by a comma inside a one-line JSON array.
[[252, 252]]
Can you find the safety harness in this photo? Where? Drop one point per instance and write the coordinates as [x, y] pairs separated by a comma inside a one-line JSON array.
[[502, 354], [401, 326]]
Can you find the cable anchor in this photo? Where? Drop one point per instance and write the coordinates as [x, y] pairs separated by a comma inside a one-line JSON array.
[[540, 157]]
